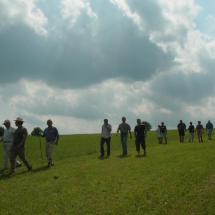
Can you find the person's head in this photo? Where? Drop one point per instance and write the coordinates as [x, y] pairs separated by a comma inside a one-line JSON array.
[[138, 121], [7, 123], [123, 119], [19, 121], [191, 123], [199, 122], [209, 121], [180, 121], [105, 121], [49, 123], [158, 126], [162, 123]]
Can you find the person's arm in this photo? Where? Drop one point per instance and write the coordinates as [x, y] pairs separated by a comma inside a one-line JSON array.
[[57, 135], [108, 127], [145, 133], [24, 136], [117, 131], [129, 130]]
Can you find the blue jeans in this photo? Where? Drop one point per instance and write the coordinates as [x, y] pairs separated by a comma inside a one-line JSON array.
[[123, 137], [103, 140]]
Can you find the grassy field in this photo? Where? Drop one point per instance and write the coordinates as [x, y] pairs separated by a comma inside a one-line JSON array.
[[176, 178]]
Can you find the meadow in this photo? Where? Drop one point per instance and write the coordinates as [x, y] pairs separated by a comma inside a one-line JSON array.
[[174, 178]]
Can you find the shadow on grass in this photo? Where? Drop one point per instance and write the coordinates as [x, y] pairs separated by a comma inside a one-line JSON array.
[[103, 158], [123, 156], [140, 156]]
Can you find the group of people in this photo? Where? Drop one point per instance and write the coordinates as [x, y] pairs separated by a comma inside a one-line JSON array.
[[140, 133], [14, 144], [199, 129], [14, 139]]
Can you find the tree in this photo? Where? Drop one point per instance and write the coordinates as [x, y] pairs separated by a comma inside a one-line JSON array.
[[1, 131], [148, 125], [36, 131]]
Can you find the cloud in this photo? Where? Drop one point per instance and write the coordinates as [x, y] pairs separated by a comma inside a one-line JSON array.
[[79, 62], [14, 12]]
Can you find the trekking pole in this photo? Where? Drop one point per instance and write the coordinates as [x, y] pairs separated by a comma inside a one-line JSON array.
[[41, 150]]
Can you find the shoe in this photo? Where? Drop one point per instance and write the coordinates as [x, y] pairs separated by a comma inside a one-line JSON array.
[[144, 154], [11, 172], [50, 163], [101, 156], [19, 165], [30, 168]]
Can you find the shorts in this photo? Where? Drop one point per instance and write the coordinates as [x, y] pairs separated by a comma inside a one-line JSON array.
[[209, 130], [163, 134], [181, 133]]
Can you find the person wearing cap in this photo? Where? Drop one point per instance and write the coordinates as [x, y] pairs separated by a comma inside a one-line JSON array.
[[52, 136], [7, 140], [124, 128], [163, 132], [18, 147], [105, 137]]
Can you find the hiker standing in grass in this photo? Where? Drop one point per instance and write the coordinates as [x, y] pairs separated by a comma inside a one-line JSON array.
[[199, 131], [140, 136], [163, 132], [52, 136], [124, 128], [158, 134], [7, 140], [209, 129], [105, 137], [18, 147], [191, 132], [181, 130]]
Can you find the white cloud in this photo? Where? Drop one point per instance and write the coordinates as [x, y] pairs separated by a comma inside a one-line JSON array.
[[22, 12], [71, 10]]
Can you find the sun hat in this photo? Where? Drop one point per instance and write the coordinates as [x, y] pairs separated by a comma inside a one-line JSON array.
[[6, 121], [19, 119]]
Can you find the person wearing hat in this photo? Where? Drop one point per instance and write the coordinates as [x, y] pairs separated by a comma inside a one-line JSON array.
[[7, 140], [52, 136], [18, 147]]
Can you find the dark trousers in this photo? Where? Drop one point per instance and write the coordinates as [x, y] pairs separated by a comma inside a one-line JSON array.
[[103, 140], [21, 152], [140, 141]]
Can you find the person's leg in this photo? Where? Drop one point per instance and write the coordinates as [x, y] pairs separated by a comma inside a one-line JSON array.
[[7, 147], [143, 144], [102, 141], [108, 145], [123, 141], [137, 143], [21, 154], [49, 148], [13, 154], [165, 138]]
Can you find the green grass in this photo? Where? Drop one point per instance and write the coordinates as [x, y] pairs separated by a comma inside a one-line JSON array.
[[177, 178]]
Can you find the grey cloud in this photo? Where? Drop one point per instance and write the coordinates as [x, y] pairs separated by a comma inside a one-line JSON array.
[[89, 53]]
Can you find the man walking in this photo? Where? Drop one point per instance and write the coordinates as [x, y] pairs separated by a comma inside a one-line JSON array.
[[105, 137], [124, 128], [191, 132], [181, 130], [18, 147], [199, 131], [7, 140], [140, 135], [52, 136], [209, 129], [163, 132]]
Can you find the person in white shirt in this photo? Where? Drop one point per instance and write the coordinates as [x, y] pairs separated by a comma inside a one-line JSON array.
[[7, 140], [105, 137], [158, 134]]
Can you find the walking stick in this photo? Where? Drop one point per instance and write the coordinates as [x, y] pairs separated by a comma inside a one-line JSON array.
[[41, 150]]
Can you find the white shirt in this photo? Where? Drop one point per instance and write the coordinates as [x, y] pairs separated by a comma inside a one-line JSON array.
[[105, 132], [8, 134]]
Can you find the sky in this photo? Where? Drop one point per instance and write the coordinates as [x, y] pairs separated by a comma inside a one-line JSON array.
[[78, 62]]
